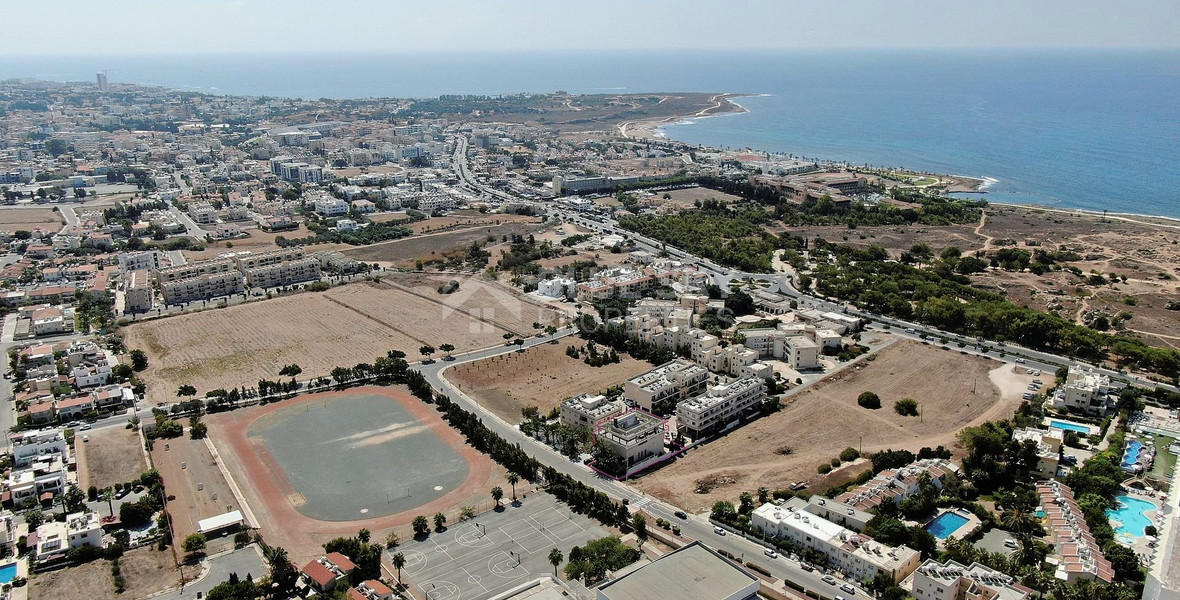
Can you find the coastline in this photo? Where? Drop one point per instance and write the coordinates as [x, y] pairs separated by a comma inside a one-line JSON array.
[[1170, 222], [723, 104]]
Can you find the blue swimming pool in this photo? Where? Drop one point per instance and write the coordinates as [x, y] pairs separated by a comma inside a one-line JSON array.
[[1129, 519], [945, 524], [1131, 456], [7, 572], [1070, 427]]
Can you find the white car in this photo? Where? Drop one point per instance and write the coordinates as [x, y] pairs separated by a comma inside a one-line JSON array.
[[770, 552]]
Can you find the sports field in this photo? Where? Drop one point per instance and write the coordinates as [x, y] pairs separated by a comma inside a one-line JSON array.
[[356, 456]]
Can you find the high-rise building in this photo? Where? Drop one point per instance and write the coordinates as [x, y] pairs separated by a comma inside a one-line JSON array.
[[103, 86]]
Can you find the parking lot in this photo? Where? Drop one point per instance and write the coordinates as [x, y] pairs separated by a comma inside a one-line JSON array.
[[495, 551]]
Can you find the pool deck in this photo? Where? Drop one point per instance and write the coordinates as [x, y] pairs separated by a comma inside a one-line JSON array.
[[962, 531]]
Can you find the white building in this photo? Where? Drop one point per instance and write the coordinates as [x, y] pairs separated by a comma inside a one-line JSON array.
[[720, 405], [587, 411], [346, 225], [558, 287], [665, 385], [857, 555], [1048, 443], [29, 446], [138, 294], [953, 581], [636, 436], [1085, 391], [330, 206], [54, 539]]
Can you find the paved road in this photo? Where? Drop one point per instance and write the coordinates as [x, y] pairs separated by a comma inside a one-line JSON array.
[[242, 561]]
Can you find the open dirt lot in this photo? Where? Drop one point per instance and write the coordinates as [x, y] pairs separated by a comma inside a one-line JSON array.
[[257, 241], [465, 219], [687, 197], [28, 218], [187, 465], [237, 346], [405, 251], [953, 391], [268, 494], [541, 376], [146, 570], [111, 456]]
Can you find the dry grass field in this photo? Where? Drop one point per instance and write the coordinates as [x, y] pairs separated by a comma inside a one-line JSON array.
[[236, 346], [405, 251], [111, 456], [147, 571], [541, 376], [258, 241], [29, 218], [953, 391]]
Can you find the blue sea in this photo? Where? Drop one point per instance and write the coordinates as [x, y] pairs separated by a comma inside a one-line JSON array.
[[1097, 130]]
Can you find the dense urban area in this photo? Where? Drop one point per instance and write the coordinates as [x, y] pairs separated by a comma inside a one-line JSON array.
[[524, 346]]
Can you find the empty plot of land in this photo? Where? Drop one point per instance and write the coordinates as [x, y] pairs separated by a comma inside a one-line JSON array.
[[111, 456], [193, 479], [541, 376], [478, 300], [953, 390], [28, 218], [147, 571], [406, 251]]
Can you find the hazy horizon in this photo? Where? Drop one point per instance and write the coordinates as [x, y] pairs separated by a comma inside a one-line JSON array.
[[136, 27]]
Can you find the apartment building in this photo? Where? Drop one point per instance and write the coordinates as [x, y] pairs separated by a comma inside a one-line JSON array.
[[1079, 555], [202, 287], [202, 212], [44, 475], [138, 295], [636, 436], [898, 484], [245, 261], [1048, 443], [718, 406], [662, 387], [143, 260], [194, 269], [589, 410], [1086, 391], [953, 581], [329, 206], [31, 446], [9, 534], [284, 273], [856, 554], [54, 539]]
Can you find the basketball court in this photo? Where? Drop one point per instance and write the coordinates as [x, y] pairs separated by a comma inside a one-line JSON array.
[[495, 551]]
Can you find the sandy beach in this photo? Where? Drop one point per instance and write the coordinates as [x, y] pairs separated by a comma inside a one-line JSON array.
[[648, 128]]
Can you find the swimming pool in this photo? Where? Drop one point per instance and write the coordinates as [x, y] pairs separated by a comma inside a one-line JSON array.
[[1131, 456], [945, 524], [1064, 425], [1129, 518], [8, 572]]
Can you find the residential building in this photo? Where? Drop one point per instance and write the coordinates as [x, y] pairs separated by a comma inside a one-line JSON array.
[[1086, 391], [30, 446], [202, 212], [202, 287], [1079, 556], [346, 225], [138, 295], [363, 206], [372, 589], [244, 261], [284, 273], [1048, 444], [720, 405], [558, 287], [898, 484], [194, 269], [842, 514], [323, 573], [662, 387], [588, 411], [9, 533], [693, 571], [54, 539], [330, 206], [856, 554], [41, 481], [91, 372], [635, 435], [953, 581]]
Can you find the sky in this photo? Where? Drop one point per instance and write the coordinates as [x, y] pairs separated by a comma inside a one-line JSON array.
[[89, 27]]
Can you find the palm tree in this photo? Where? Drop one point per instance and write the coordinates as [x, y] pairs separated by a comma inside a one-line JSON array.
[[440, 521], [109, 495], [555, 559], [497, 493], [399, 561], [513, 479]]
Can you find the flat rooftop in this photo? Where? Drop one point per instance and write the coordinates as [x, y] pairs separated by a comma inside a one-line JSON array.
[[693, 571]]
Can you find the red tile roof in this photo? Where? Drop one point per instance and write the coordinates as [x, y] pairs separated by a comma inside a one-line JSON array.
[[341, 561], [319, 574]]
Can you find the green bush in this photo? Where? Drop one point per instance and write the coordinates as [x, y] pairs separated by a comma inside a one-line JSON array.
[[824, 469], [869, 400], [849, 454], [906, 407]]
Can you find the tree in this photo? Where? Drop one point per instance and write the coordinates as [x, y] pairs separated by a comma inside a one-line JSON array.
[[555, 559], [399, 561], [763, 495], [513, 479], [497, 494], [34, 518], [440, 521], [421, 526], [426, 351], [392, 540], [186, 390], [139, 360], [364, 535], [639, 524], [446, 349], [108, 495], [197, 429], [282, 573], [194, 543], [906, 407], [290, 370], [869, 400]]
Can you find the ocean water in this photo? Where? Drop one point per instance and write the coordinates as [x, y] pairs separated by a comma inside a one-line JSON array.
[[1097, 130]]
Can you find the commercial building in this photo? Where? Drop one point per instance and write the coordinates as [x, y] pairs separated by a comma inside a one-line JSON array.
[[718, 406], [665, 385], [693, 571], [898, 484], [856, 554], [1079, 556], [1086, 391], [635, 435], [953, 581], [588, 411], [1048, 443]]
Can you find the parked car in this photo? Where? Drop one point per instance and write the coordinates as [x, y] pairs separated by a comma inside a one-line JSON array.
[[718, 531], [847, 589], [828, 579], [681, 514], [770, 552], [806, 567], [85, 427], [1010, 543]]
